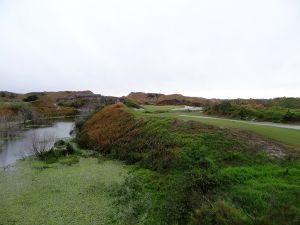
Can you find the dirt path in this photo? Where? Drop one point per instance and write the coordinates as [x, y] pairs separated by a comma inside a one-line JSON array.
[[270, 146]]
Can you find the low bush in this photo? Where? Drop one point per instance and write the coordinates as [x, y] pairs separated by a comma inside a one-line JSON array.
[[70, 148], [270, 113], [60, 143], [63, 152], [31, 98]]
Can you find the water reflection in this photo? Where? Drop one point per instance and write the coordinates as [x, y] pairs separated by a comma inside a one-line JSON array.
[[13, 149]]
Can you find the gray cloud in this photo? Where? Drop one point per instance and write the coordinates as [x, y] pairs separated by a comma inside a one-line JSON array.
[[202, 48]]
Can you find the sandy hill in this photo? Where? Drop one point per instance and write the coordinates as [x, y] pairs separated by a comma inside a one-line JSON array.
[[161, 99], [53, 96], [48, 96]]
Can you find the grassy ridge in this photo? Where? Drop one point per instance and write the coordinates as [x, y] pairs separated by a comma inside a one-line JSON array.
[[196, 173], [283, 135]]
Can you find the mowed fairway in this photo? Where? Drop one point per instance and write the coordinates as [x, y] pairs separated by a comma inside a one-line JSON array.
[[283, 135], [286, 136], [39, 193]]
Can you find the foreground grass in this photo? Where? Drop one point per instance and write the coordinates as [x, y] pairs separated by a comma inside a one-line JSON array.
[[285, 136], [40, 193]]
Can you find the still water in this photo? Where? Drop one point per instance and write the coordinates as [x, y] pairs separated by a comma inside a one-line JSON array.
[[18, 148]]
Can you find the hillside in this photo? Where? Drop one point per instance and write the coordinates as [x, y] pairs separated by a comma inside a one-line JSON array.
[[196, 173], [161, 99], [43, 96], [178, 99], [33, 104]]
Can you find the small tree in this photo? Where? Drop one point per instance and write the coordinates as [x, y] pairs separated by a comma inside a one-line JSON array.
[[223, 107], [41, 144], [242, 114]]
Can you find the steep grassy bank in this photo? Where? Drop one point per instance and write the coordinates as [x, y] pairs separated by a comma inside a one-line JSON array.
[[196, 173]]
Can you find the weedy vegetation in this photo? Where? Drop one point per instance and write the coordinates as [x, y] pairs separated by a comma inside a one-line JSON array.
[[196, 173], [172, 172]]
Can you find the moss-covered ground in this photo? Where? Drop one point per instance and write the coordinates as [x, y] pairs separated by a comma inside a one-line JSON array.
[[57, 193]]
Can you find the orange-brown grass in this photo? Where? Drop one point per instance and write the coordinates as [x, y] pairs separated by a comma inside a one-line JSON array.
[[6, 113], [115, 131], [53, 96], [48, 108], [110, 124], [161, 99]]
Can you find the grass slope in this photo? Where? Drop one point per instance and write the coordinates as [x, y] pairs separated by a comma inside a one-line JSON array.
[[283, 135], [197, 173]]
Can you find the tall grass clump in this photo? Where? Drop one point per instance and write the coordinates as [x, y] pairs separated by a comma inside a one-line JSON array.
[[116, 132]]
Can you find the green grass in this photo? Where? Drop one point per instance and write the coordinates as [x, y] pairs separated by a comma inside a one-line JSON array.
[[285, 136], [199, 174], [153, 108], [181, 173], [40, 193]]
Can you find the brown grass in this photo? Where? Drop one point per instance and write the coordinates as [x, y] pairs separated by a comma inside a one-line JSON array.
[[47, 107], [6, 112], [161, 99], [116, 131], [109, 125]]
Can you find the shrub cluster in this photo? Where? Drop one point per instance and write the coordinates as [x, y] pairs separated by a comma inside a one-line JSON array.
[[249, 112], [31, 98], [63, 152]]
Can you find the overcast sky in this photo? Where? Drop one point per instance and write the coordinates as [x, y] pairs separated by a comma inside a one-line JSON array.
[[208, 48]]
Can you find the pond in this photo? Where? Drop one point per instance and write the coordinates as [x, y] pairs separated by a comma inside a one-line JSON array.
[[19, 147]]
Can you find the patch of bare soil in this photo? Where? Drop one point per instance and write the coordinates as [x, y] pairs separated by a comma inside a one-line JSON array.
[[272, 147]]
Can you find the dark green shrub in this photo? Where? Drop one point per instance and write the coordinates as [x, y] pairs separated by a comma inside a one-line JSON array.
[[59, 143], [31, 98], [82, 140], [290, 117], [70, 148]]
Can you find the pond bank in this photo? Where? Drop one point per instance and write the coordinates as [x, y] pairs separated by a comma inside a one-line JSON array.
[[20, 147]]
